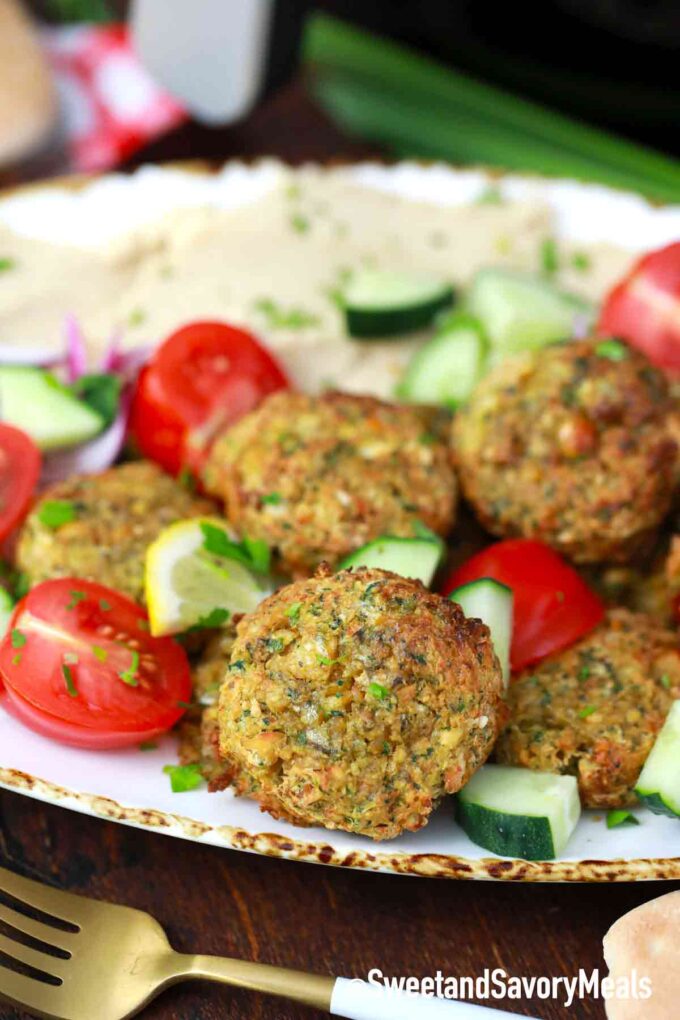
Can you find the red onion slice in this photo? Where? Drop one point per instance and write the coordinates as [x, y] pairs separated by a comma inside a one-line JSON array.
[[75, 349], [30, 357]]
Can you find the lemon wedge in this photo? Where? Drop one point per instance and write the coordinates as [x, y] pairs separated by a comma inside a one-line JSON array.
[[189, 586]]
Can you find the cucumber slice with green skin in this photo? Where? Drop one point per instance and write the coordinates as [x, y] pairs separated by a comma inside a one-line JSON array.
[[381, 303], [409, 557], [491, 602], [659, 784], [516, 812], [448, 367], [522, 312], [35, 402], [6, 609]]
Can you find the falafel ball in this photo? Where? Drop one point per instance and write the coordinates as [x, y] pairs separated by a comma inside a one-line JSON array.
[[594, 710], [571, 445], [317, 477], [356, 701], [116, 516]]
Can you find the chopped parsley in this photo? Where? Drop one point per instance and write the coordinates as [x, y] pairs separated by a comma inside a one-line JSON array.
[[285, 318], [215, 618], [55, 512], [148, 745], [378, 691], [490, 195], [299, 223], [6, 263], [580, 261], [550, 261], [136, 317], [586, 711], [584, 672], [67, 673], [187, 480], [293, 612], [76, 597], [16, 659], [664, 680], [619, 816], [184, 704], [614, 350], [104, 605], [130, 675], [100, 653], [251, 552], [183, 777], [272, 499], [18, 638]]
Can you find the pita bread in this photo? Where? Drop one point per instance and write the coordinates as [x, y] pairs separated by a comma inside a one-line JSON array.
[[645, 944]]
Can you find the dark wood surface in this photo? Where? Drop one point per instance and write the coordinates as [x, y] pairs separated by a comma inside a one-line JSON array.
[[309, 917]]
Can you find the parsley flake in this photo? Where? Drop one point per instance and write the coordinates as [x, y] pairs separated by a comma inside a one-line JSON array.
[[272, 499], [614, 350], [215, 618], [183, 778], [251, 552], [130, 675], [293, 612], [378, 691], [100, 653], [67, 673], [55, 512], [550, 261], [17, 638], [586, 711], [619, 816], [76, 597]]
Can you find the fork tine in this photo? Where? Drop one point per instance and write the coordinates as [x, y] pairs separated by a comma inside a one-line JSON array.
[[33, 957], [36, 929], [27, 993], [63, 905]]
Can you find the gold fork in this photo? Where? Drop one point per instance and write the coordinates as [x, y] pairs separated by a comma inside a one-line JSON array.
[[86, 959]]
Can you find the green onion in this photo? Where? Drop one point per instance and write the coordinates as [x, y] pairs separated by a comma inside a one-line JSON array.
[[392, 94]]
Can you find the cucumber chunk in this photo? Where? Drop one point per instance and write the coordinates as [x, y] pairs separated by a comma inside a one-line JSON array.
[[379, 303], [448, 367], [516, 812], [409, 557], [491, 602], [523, 312], [659, 784], [35, 402]]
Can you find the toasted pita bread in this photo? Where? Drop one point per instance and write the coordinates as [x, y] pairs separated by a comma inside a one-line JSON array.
[[645, 944]]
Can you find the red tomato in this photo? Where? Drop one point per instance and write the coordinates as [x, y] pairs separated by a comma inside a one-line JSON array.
[[553, 606], [644, 308], [203, 377], [19, 473], [80, 666]]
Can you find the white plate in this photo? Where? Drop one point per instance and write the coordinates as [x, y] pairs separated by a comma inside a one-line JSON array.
[[129, 786]]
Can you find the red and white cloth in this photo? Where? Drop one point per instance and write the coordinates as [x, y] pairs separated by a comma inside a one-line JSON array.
[[110, 105]]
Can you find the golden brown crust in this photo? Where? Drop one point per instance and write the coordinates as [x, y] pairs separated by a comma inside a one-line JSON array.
[[318, 477], [594, 710], [118, 514], [357, 701], [571, 447]]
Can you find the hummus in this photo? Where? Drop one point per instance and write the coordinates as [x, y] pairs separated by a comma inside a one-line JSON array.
[[275, 266]]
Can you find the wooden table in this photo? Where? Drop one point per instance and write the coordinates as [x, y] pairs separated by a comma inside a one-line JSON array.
[[306, 916]]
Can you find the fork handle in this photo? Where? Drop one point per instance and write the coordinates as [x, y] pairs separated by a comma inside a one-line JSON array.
[[352, 999], [357, 1000]]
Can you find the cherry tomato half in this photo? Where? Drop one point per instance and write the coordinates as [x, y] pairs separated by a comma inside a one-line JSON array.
[[80, 666], [644, 308], [204, 376], [19, 473], [553, 606]]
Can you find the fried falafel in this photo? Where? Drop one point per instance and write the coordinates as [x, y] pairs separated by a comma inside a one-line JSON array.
[[356, 701], [571, 445], [317, 477], [115, 516], [594, 710]]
